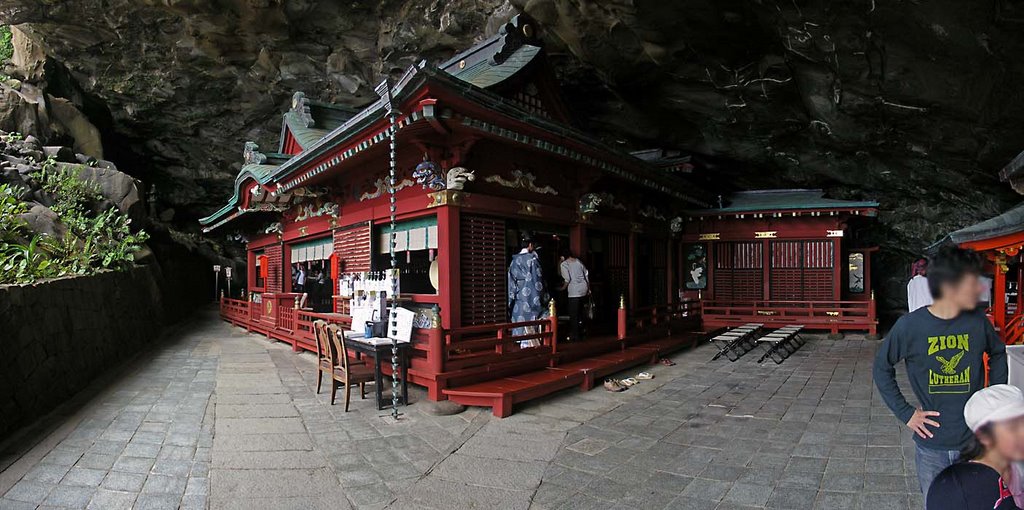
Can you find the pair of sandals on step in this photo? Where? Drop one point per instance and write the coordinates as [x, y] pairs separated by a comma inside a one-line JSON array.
[[617, 385]]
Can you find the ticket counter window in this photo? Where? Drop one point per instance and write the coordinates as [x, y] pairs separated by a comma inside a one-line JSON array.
[[312, 259], [415, 253]]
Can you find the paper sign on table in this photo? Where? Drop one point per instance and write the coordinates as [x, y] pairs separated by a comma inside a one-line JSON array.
[[400, 325]]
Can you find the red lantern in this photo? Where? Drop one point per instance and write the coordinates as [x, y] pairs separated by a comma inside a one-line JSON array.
[[261, 261]]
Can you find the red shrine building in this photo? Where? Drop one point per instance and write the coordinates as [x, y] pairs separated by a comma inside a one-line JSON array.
[[484, 152], [780, 257], [1000, 240]]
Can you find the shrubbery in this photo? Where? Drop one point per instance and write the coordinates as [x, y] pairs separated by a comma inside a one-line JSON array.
[[94, 239], [6, 47]]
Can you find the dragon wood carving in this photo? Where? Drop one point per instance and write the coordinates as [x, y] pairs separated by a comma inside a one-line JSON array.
[[381, 187], [522, 180]]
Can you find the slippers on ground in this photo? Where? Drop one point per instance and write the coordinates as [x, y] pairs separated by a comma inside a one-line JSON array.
[[645, 376], [667, 362], [629, 381], [613, 385]]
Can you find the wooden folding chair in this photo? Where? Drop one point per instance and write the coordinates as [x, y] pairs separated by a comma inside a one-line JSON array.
[[323, 352], [347, 372]]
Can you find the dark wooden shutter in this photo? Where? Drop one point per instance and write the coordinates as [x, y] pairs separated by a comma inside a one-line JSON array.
[[352, 245], [819, 274], [738, 271], [802, 270], [275, 273], [618, 268], [484, 270], [786, 271]]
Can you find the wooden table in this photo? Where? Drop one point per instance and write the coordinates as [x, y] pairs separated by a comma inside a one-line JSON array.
[[378, 352]]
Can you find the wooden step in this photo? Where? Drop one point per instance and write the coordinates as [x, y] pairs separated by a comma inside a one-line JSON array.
[[501, 394]]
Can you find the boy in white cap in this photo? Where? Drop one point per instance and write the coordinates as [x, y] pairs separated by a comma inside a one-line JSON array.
[[979, 481]]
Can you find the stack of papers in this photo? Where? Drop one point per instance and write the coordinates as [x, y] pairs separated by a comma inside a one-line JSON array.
[[375, 341]]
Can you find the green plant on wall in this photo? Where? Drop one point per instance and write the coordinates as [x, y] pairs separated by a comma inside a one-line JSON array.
[[6, 47], [94, 240]]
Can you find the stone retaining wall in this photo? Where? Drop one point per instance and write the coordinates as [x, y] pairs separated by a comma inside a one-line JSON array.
[[57, 336]]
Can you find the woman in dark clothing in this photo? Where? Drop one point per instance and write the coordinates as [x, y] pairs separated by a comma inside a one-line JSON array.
[[982, 478]]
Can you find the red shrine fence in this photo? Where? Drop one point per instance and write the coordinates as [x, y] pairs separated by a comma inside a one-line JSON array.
[[831, 315], [444, 358]]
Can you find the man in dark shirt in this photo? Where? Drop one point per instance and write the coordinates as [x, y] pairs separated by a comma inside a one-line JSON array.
[[943, 346]]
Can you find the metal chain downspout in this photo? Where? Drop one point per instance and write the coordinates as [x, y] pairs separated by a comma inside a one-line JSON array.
[[384, 89]]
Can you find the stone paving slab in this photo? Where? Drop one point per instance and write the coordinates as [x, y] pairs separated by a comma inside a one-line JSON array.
[[217, 418]]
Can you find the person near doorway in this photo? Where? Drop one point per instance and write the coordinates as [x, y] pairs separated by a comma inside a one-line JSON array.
[[985, 296], [918, 294], [526, 289], [943, 347], [576, 282], [982, 479], [299, 285]]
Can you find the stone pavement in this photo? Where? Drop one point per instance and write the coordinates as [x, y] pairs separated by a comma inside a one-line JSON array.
[[217, 418]]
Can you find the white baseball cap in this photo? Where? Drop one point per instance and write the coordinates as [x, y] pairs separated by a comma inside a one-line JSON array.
[[999, 402]]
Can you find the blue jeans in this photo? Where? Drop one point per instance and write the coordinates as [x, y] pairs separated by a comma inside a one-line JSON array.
[[930, 463]]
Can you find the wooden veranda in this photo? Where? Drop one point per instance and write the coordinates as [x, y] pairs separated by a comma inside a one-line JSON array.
[[484, 365]]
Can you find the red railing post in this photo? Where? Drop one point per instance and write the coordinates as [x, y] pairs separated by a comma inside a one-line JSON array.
[[872, 323], [553, 319], [622, 317], [436, 354], [499, 346]]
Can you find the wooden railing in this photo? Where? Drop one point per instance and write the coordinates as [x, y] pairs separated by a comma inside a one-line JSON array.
[[834, 315], [646, 316], [236, 309], [1013, 332], [441, 357], [470, 345], [285, 319]]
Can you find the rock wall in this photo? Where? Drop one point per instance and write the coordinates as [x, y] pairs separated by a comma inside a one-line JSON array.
[[59, 335], [916, 105]]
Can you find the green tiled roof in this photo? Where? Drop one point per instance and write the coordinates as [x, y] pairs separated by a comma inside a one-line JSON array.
[[471, 74], [498, 58], [485, 73], [1010, 222], [305, 136], [783, 200], [259, 173]]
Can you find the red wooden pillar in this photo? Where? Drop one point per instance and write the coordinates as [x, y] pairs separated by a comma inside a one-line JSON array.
[[999, 297], [578, 241], [448, 261], [621, 322], [250, 271], [435, 361]]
